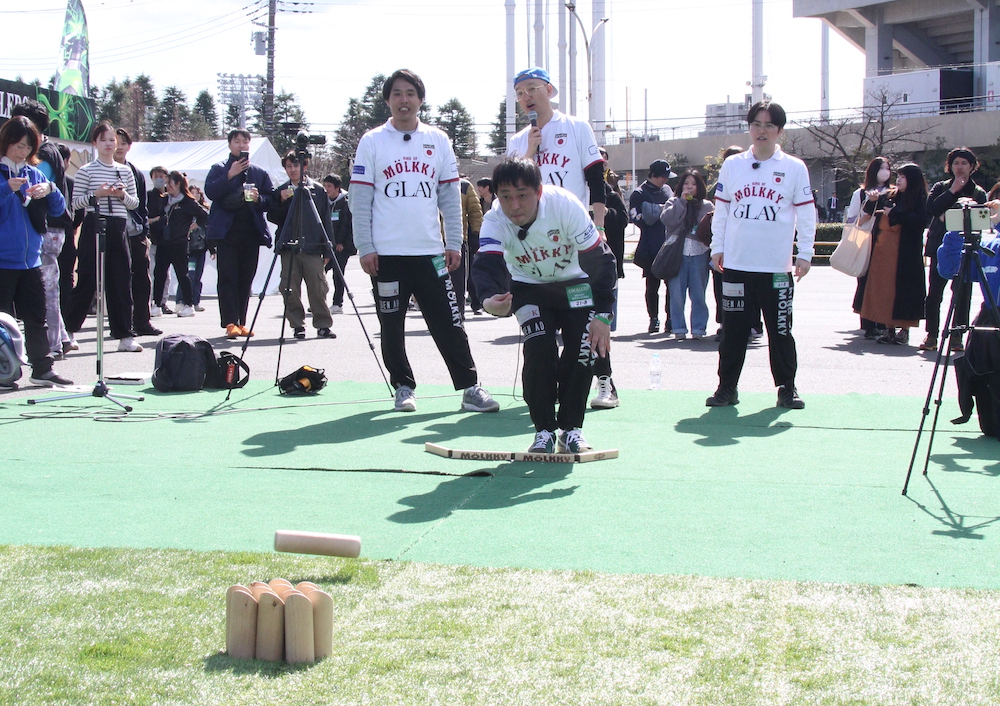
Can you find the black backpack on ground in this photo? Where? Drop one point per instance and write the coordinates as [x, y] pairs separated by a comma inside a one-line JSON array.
[[187, 363]]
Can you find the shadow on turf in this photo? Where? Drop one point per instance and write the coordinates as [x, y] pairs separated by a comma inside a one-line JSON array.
[[221, 662], [510, 490], [725, 426], [956, 525], [367, 425]]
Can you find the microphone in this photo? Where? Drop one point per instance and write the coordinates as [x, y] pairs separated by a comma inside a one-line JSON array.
[[533, 117], [406, 137], [756, 165]]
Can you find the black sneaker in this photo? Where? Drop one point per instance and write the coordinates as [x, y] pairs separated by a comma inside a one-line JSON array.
[[788, 397], [325, 333], [299, 332], [888, 337], [723, 397], [149, 331], [49, 379], [654, 326]]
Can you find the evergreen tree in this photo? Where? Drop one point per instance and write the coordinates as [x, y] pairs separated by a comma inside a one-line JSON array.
[[289, 118], [362, 115], [455, 120], [128, 104], [498, 135], [231, 120], [172, 117], [110, 101], [204, 108]]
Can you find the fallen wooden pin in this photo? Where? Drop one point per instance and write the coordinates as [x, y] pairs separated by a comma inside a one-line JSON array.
[[470, 455]]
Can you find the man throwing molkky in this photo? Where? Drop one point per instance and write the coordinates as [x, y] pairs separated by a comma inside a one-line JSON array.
[[563, 276]]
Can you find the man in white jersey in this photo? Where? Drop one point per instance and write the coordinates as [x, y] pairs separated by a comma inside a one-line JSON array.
[[404, 173], [563, 276], [762, 199], [567, 155]]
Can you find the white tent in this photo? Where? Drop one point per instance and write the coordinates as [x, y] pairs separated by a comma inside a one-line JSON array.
[[195, 159]]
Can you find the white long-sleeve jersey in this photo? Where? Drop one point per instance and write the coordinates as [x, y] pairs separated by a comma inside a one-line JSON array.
[[759, 210]]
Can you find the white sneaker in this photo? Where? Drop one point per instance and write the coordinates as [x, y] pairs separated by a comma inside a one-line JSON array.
[[544, 443], [572, 442], [129, 345], [476, 399], [406, 400], [607, 394], [334, 309], [186, 310], [155, 312]]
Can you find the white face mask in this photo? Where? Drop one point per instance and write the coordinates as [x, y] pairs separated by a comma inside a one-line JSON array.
[[883, 176], [159, 183]]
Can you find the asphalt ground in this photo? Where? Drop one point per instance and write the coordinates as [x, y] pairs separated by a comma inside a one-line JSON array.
[[833, 357]]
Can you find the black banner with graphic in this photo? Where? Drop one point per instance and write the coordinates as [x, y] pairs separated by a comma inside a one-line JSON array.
[[72, 117]]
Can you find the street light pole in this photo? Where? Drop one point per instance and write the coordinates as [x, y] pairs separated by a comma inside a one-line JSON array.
[[586, 45]]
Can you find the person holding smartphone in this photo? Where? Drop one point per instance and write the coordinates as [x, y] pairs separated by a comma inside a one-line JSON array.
[[105, 189], [26, 198], [240, 194]]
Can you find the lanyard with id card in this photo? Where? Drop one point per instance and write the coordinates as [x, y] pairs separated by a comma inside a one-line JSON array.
[[440, 265], [580, 296]]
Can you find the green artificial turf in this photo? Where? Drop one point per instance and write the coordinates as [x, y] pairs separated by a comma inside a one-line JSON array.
[[137, 627], [749, 491]]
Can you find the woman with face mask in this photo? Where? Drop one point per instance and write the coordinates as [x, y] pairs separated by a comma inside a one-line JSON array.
[[875, 184], [895, 291]]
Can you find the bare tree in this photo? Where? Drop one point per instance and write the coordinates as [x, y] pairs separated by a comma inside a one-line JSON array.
[[849, 143]]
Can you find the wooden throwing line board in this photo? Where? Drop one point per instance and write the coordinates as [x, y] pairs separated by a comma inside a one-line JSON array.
[[468, 455]]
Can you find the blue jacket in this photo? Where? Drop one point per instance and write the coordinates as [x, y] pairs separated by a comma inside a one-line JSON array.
[[950, 256], [20, 242], [222, 191]]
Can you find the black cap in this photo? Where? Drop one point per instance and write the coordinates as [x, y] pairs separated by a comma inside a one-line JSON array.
[[661, 168]]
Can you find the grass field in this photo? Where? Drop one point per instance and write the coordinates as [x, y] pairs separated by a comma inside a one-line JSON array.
[[108, 626]]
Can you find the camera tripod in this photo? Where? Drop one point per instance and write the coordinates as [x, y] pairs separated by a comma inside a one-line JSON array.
[[303, 218], [971, 250], [101, 388]]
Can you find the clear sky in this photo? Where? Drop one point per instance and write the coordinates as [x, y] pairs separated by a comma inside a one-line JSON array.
[[686, 53]]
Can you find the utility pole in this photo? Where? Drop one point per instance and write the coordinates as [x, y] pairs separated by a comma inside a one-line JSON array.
[[272, 11]]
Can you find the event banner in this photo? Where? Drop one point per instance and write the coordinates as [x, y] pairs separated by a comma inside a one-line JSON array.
[[72, 116], [74, 75]]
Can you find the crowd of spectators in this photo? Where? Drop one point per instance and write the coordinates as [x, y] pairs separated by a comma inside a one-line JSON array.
[[174, 224]]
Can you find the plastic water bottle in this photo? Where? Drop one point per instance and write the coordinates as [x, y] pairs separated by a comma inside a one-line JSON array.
[[655, 371]]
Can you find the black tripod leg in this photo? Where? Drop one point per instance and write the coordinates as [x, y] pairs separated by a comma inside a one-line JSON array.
[[283, 287], [937, 402], [945, 343], [260, 303], [338, 272]]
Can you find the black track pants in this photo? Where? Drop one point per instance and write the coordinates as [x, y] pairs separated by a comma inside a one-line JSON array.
[[117, 278], [399, 277], [550, 377], [743, 293]]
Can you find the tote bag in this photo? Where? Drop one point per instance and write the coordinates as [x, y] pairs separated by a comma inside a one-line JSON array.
[[854, 250], [667, 263]]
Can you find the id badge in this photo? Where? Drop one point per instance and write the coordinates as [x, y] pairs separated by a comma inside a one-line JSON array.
[[335, 216], [580, 296], [440, 265], [781, 280]]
